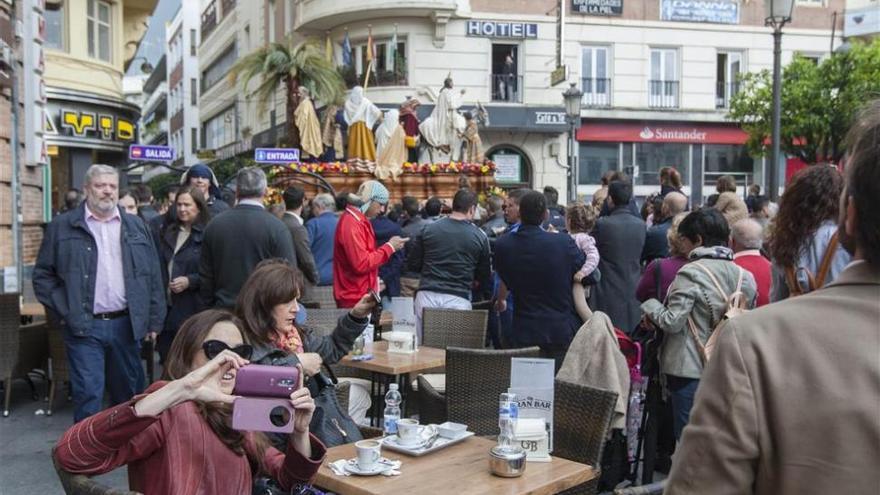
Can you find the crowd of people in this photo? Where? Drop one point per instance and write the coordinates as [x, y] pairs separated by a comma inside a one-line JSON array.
[[217, 286]]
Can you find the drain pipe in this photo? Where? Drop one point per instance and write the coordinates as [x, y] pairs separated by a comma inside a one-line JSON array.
[[16, 172]]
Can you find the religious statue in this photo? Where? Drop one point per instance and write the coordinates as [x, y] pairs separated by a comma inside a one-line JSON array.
[[331, 134], [360, 115], [390, 147], [410, 121], [309, 128], [442, 128], [473, 142]]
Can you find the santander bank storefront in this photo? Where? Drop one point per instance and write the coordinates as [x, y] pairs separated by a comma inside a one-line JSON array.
[[700, 151]]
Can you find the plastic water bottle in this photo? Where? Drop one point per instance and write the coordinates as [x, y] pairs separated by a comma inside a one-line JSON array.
[[508, 413], [392, 409]]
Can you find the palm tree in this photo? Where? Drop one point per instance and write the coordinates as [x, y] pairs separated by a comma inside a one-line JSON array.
[[283, 63]]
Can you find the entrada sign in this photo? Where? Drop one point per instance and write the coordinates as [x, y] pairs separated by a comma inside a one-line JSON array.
[[496, 29], [276, 155]]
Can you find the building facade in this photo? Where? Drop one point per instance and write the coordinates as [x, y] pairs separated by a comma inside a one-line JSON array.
[[154, 106], [862, 19], [183, 76], [657, 75]]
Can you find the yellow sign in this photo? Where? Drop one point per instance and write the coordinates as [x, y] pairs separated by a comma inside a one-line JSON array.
[[87, 124], [558, 75]]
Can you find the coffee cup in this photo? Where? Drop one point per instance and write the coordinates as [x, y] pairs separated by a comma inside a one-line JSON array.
[[408, 431], [368, 453]]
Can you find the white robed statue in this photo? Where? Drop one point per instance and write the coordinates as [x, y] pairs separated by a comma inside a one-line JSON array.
[[443, 128], [390, 147]]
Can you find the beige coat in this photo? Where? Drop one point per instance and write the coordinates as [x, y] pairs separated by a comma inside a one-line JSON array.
[[594, 359], [790, 402]]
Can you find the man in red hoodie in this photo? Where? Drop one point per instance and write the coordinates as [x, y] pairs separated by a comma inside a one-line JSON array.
[[356, 258], [746, 243]]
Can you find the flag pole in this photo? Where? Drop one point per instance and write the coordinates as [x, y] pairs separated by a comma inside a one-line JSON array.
[[369, 57]]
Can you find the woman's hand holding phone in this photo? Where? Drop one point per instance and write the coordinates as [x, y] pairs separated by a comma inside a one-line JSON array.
[[365, 306], [304, 404]]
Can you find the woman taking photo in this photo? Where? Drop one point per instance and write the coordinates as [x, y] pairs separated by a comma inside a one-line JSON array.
[[693, 296], [802, 237], [267, 305], [179, 246], [178, 438]]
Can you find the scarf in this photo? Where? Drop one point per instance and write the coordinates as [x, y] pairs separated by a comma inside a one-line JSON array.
[[711, 252]]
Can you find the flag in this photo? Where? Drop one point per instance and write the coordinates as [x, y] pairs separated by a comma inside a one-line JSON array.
[[346, 51], [370, 53], [329, 49], [392, 52]]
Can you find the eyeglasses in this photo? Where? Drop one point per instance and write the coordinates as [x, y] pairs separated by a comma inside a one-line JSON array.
[[214, 347]]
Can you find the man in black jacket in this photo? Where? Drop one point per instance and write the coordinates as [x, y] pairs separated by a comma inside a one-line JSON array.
[[236, 240]]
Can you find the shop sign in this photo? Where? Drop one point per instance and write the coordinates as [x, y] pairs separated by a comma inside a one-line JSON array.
[[151, 153], [496, 29], [661, 133], [712, 11], [550, 118], [507, 167], [102, 125], [558, 75], [597, 7]]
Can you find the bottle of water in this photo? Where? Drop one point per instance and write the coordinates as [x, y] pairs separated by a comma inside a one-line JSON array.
[[392, 409], [508, 412]]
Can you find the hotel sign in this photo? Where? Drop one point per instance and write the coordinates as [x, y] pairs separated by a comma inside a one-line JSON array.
[[496, 29]]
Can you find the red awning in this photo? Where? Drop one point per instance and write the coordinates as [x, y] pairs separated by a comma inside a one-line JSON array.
[[661, 133]]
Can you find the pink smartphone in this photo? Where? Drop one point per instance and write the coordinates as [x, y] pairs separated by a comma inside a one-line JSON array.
[[257, 380], [262, 414]]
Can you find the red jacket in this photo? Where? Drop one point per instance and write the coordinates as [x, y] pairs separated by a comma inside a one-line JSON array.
[[356, 259], [174, 453], [752, 261]]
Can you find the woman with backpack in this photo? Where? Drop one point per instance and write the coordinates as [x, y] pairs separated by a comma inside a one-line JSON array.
[[697, 301], [802, 237]]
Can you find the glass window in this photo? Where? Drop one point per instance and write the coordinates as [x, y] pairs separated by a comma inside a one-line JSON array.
[[54, 16], [218, 70], [194, 140], [651, 157], [596, 83], [98, 16], [193, 92], [192, 42], [219, 130], [731, 159], [594, 159], [270, 38]]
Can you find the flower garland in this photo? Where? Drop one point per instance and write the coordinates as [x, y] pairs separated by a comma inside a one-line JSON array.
[[486, 168]]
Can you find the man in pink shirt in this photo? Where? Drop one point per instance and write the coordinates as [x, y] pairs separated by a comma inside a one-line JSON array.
[[97, 273]]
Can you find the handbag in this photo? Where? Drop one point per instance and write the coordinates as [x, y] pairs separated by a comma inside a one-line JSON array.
[[267, 486], [330, 423]]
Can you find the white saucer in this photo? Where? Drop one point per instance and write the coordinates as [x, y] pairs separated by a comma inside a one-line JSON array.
[[380, 467], [395, 440]]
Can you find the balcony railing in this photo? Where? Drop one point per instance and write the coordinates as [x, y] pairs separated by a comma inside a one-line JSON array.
[[227, 6], [724, 92], [597, 92], [378, 78], [663, 94], [209, 19], [507, 87]]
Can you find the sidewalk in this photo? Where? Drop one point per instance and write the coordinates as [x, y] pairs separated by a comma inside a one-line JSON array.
[[27, 440]]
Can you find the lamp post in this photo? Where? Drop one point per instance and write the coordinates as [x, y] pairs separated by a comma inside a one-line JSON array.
[[778, 14], [572, 97]]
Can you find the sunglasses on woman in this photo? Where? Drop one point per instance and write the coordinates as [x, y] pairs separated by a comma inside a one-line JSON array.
[[214, 347]]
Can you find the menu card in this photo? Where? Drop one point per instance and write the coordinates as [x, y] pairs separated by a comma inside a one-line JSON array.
[[531, 379]]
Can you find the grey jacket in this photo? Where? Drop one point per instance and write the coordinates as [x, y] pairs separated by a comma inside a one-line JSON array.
[[67, 264], [693, 294], [331, 347]]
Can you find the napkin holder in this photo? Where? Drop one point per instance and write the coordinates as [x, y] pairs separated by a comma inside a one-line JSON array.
[[531, 435], [400, 342]]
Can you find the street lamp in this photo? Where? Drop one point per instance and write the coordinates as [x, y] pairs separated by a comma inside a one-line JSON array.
[[778, 14], [572, 97]]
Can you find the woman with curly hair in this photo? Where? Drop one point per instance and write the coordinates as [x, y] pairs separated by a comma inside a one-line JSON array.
[[804, 233]]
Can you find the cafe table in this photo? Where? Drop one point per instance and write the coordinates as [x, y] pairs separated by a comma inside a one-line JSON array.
[[386, 366], [462, 469]]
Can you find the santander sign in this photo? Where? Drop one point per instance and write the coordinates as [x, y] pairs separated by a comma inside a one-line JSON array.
[[664, 134]]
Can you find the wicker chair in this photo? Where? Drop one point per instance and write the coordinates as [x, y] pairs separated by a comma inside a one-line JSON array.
[[652, 489], [474, 380], [22, 348], [59, 367], [442, 328], [581, 419], [319, 297], [322, 322], [80, 484]]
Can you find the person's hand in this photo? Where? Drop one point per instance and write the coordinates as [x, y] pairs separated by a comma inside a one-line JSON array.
[[203, 384], [501, 305], [646, 323], [151, 336], [304, 404], [398, 242], [578, 277], [179, 285], [552, 229], [310, 362], [364, 307]]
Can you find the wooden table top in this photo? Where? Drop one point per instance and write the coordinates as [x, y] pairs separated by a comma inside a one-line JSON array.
[[390, 363], [462, 469], [33, 309]]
